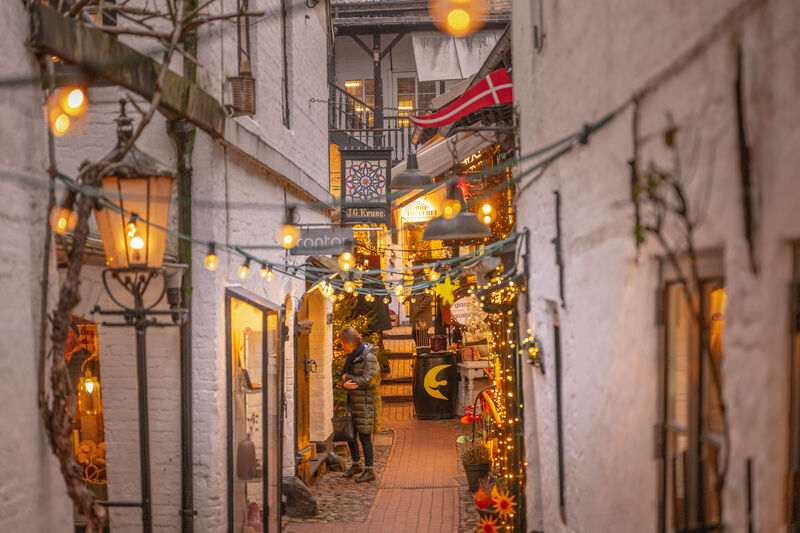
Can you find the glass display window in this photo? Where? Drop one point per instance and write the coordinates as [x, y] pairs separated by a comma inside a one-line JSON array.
[[254, 375], [82, 354]]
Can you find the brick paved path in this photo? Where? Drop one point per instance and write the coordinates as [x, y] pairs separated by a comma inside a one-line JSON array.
[[418, 491]]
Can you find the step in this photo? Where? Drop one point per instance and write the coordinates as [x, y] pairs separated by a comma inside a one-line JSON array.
[[399, 379], [396, 399]]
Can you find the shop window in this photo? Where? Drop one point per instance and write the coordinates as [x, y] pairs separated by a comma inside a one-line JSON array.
[[82, 355], [254, 417], [692, 426]]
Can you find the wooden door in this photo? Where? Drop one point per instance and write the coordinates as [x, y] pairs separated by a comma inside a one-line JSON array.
[[302, 378]]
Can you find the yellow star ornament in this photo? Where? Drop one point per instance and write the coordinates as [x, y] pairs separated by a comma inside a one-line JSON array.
[[445, 290]]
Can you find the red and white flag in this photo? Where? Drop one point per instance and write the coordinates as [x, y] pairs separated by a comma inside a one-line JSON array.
[[493, 89]]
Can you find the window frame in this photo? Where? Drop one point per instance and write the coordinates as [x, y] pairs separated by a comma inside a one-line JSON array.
[[710, 272]]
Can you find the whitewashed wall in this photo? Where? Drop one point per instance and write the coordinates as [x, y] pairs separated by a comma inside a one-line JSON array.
[[32, 481], [594, 58]]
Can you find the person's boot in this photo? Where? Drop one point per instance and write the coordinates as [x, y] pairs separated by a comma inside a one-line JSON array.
[[368, 475], [355, 468]]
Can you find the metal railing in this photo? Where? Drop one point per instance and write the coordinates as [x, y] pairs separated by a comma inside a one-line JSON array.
[[356, 119]]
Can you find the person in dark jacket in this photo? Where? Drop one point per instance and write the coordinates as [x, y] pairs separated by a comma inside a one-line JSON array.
[[361, 377]]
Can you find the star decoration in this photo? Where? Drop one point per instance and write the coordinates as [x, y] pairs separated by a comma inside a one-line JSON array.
[[487, 525], [464, 185], [446, 290]]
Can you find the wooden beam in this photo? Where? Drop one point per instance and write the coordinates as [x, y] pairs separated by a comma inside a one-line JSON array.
[[361, 43], [100, 54], [391, 44]]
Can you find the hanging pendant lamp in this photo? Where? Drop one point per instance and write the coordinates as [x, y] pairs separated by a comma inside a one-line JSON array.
[[412, 177], [464, 226]]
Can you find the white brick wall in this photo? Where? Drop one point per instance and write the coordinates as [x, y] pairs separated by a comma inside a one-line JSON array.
[[32, 481], [595, 56]]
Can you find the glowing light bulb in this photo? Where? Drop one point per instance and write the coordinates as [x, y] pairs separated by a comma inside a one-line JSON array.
[[486, 209], [244, 269], [346, 261], [266, 272], [349, 286], [89, 386], [288, 235], [451, 208], [386, 300], [434, 275], [398, 290], [458, 20], [59, 123], [62, 219]]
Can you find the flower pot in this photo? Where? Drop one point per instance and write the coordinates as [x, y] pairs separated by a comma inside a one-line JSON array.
[[477, 473]]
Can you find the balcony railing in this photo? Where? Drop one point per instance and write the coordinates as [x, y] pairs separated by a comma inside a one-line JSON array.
[[356, 119]]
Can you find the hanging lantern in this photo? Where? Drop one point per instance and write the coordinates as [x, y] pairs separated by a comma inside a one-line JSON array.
[[412, 177], [139, 193], [89, 402], [463, 226]]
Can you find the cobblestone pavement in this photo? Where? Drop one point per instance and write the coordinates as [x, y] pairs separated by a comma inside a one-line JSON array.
[[421, 486]]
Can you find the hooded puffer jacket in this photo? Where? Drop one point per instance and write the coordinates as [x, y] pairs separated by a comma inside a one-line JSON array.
[[365, 401]]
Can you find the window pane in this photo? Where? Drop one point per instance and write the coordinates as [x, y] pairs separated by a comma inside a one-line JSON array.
[[426, 91], [406, 92], [714, 305], [679, 346]]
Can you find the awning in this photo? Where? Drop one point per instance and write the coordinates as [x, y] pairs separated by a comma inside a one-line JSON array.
[[439, 56], [443, 154]]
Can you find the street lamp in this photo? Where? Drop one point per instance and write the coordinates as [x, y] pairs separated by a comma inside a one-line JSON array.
[[131, 224]]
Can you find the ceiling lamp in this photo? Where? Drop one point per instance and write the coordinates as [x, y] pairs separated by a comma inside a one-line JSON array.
[[412, 177], [464, 226]]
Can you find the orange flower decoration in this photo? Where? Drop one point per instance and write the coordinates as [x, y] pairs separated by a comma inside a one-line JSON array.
[[487, 525], [481, 499], [503, 502]]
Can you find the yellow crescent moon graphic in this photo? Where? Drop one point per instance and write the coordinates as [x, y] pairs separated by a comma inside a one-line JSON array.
[[431, 383]]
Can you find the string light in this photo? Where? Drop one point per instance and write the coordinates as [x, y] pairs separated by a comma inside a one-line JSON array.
[[346, 261], [211, 257], [266, 272], [244, 269], [349, 286], [288, 233]]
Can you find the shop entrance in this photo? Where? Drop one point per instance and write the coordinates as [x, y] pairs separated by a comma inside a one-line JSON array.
[[303, 367]]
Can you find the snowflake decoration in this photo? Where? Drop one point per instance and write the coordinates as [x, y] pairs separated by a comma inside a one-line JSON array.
[[365, 180]]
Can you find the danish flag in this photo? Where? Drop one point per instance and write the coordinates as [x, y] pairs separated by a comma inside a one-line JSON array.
[[493, 89]]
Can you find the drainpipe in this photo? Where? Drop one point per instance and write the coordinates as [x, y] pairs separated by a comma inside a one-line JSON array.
[[183, 134]]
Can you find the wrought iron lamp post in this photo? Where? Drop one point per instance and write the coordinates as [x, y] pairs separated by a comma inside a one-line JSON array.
[[131, 222]]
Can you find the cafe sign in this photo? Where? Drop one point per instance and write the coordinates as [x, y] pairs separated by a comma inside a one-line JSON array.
[[466, 313], [420, 210]]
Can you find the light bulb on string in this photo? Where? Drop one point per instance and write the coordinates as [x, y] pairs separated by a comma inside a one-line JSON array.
[[386, 300], [288, 233], [434, 275], [346, 261], [62, 218], [349, 286], [211, 257], [266, 272], [244, 269], [398, 290]]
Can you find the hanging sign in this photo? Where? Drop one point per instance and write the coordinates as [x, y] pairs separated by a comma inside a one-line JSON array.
[[466, 313], [323, 241], [420, 210], [365, 182], [491, 90]]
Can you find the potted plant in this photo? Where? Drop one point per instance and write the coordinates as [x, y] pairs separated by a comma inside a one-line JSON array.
[[477, 461]]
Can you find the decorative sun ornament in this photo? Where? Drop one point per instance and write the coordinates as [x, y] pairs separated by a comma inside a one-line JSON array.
[[503, 502], [482, 499], [446, 290], [487, 525]]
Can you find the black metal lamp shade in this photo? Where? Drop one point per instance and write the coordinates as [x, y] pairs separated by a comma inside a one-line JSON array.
[[464, 226], [412, 177]]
